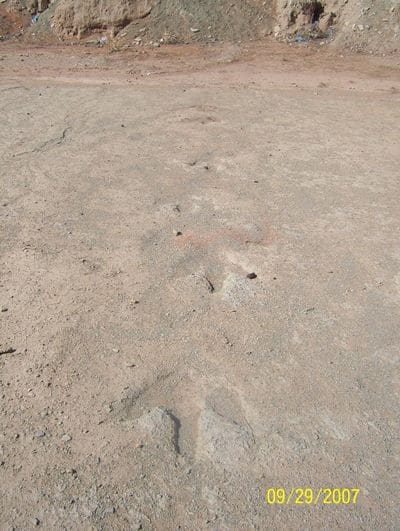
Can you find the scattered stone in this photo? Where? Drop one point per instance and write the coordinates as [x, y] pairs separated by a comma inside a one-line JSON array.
[[160, 427], [39, 434], [4, 309], [36, 521], [177, 233], [222, 440], [236, 290], [251, 276], [66, 438]]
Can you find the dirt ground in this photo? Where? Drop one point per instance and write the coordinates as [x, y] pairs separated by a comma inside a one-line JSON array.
[[146, 382]]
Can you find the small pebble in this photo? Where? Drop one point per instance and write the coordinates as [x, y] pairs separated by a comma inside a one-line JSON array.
[[4, 309], [177, 233], [251, 276], [66, 438]]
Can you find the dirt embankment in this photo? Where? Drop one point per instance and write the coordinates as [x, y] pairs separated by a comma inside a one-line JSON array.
[[365, 25]]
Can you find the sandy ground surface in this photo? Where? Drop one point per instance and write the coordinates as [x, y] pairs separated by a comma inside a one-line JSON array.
[[146, 382]]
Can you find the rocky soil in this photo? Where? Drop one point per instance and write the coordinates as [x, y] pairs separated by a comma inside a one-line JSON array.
[[356, 25], [199, 287]]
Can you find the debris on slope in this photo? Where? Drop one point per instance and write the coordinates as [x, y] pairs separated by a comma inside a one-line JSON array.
[[170, 21], [13, 19], [75, 17], [359, 25], [370, 25], [363, 25]]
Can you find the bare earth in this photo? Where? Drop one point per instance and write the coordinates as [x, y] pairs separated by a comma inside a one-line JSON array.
[[145, 381]]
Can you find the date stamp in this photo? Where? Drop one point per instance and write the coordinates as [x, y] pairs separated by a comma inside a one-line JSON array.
[[306, 496]]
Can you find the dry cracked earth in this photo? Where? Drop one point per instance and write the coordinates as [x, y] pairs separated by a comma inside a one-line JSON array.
[[147, 380]]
